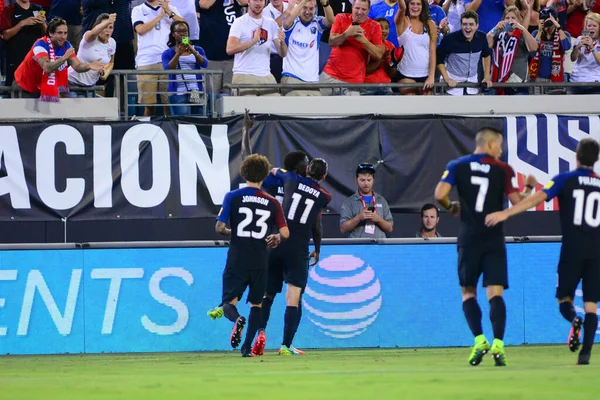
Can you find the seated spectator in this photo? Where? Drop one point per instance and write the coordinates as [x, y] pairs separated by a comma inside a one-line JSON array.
[[152, 22], [386, 9], [530, 13], [43, 73], [489, 11], [417, 33], [382, 70], [354, 38], [547, 63], [96, 44], [302, 30], [586, 55], [511, 43], [454, 9], [459, 55], [21, 25], [184, 56], [430, 217], [366, 214], [251, 39], [70, 11]]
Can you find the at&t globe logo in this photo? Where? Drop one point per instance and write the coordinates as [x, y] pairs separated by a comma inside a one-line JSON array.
[[343, 296]]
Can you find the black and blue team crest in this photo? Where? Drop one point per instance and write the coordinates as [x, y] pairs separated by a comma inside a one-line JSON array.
[[264, 36], [313, 30]]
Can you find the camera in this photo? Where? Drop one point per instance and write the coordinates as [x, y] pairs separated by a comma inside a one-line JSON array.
[[548, 23], [371, 208], [508, 27], [185, 41]]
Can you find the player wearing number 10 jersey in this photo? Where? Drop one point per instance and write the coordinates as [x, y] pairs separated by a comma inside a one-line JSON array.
[[482, 181], [303, 201], [251, 213], [578, 194]]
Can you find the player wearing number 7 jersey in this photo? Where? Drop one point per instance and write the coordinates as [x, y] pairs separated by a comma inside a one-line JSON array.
[[303, 201], [251, 213], [578, 195], [482, 181]]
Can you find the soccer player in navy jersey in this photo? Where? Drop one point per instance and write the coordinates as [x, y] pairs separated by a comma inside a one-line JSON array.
[[303, 201], [578, 195], [251, 213], [482, 181]]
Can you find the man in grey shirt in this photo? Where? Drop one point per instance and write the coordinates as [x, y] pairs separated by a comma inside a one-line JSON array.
[[366, 214]]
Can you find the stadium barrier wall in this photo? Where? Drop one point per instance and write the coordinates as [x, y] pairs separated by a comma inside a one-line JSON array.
[[153, 297]]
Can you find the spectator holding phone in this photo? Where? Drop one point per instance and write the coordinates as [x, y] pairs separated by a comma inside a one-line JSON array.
[[180, 56], [96, 44], [384, 69], [511, 43], [586, 55], [366, 214]]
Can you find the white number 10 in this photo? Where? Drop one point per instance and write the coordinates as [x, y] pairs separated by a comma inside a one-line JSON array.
[[592, 219], [483, 184]]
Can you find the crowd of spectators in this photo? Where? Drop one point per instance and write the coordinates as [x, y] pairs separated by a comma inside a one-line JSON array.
[[296, 42]]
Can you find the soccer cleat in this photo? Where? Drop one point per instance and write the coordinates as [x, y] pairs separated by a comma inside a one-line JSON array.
[[247, 353], [259, 344], [583, 359], [575, 334], [480, 349], [236, 333], [215, 313], [498, 354], [285, 351], [296, 351]]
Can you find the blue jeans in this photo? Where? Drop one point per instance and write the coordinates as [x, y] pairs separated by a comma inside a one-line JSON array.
[[79, 95], [183, 110]]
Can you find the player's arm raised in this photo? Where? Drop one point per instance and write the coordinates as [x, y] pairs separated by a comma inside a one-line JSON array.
[[222, 229], [522, 206]]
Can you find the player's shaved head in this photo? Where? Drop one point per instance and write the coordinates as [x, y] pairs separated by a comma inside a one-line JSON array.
[[255, 168], [486, 135], [587, 152]]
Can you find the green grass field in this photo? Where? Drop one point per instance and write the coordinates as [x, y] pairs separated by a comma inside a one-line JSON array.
[[546, 372]]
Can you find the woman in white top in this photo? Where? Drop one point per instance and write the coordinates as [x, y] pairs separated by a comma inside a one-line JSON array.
[[417, 33], [96, 45], [586, 55]]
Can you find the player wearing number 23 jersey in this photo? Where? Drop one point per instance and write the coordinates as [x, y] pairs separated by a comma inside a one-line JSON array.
[[578, 194], [482, 182]]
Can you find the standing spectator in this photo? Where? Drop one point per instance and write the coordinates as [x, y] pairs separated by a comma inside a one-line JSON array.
[[511, 43], [386, 9], [338, 7], [276, 9], [454, 9], [489, 11], [216, 18], [70, 11], [21, 25], [180, 56], [43, 73], [459, 55], [430, 218], [354, 38], [586, 55], [97, 44], [438, 16], [576, 11], [187, 9], [547, 64], [302, 30], [152, 23], [382, 70], [251, 39], [366, 214], [530, 13], [418, 34]]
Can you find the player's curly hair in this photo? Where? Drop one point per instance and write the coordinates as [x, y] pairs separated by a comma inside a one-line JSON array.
[[317, 168], [296, 161], [587, 152], [255, 168]]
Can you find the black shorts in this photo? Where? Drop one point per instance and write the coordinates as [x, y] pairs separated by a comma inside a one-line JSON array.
[[235, 282], [488, 259], [287, 263], [419, 80], [574, 267]]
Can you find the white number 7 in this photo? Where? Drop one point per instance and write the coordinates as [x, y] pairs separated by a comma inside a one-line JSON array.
[[483, 184]]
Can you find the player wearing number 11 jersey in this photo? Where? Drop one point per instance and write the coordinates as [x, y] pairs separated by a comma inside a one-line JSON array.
[[578, 194], [482, 181]]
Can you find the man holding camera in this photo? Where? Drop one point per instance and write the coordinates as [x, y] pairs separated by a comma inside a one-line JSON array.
[[366, 214]]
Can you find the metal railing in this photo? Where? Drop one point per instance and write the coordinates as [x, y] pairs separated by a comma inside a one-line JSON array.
[[123, 78], [17, 93]]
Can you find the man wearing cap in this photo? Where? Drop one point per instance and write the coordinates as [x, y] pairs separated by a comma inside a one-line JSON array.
[[366, 214]]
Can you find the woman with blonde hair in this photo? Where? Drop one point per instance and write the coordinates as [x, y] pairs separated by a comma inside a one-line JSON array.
[[511, 43], [586, 55]]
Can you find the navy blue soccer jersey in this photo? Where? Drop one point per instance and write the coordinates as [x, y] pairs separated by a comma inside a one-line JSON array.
[[274, 187], [578, 194], [303, 201], [481, 182], [251, 213]]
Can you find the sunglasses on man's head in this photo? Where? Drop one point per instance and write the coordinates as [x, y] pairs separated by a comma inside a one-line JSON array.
[[366, 166]]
